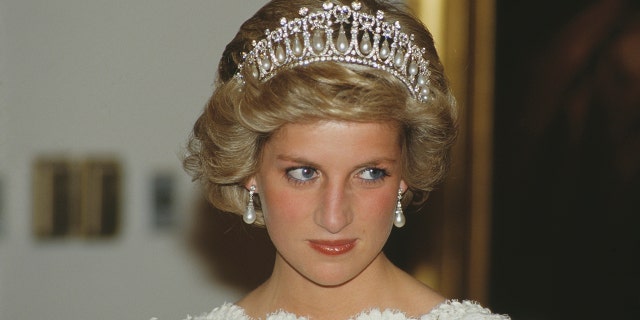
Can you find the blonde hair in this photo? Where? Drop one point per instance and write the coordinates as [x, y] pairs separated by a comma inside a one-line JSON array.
[[225, 147]]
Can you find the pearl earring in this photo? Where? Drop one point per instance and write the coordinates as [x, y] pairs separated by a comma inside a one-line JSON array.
[[249, 216], [399, 219]]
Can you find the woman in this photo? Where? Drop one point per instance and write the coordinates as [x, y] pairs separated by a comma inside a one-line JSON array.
[[327, 118]]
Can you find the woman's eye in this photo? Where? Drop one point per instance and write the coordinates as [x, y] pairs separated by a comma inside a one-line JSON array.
[[302, 174], [372, 174]]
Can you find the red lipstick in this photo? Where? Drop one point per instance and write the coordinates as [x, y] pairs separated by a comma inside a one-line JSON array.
[[333, 247]]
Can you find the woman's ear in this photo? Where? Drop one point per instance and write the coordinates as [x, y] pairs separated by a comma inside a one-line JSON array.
[[403, 186], [251, 182]]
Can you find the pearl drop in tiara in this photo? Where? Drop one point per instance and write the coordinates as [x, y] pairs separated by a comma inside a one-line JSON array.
[[372, 41]]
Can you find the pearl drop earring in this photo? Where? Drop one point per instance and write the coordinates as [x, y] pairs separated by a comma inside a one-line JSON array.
[[249, 216], [399, 219]]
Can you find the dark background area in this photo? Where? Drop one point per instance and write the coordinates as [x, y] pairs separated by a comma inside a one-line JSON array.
[[566, 231]]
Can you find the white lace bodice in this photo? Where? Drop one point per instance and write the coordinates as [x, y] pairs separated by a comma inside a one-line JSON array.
[[449, 310]]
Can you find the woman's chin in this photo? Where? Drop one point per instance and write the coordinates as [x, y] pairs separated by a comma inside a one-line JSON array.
[[330, 279]]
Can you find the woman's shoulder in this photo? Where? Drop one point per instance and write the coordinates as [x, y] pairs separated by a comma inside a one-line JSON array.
[[448, 310], [467, 310], [227, 311]]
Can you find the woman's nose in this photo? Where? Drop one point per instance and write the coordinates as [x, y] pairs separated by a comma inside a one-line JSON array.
[[334, 213]]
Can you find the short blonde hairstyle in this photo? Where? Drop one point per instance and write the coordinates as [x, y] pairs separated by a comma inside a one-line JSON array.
[[225, 147]]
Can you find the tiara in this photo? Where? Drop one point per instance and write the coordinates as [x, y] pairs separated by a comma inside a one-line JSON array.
[[309, 38]]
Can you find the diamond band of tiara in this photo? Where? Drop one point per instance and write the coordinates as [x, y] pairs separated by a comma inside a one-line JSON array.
[[310, 38]]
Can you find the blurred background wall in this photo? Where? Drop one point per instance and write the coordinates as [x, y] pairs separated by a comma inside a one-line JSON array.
[[123, 79]]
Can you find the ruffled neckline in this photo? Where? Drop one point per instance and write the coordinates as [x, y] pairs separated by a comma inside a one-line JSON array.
[[449, 309]]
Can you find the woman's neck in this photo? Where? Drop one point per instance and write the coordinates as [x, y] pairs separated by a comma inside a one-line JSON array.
[[381, 285]]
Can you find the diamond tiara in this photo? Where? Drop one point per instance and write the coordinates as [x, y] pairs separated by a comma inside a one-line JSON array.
[[310, 38]]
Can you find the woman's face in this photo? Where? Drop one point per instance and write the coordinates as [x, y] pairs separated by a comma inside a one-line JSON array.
[[328, 192]]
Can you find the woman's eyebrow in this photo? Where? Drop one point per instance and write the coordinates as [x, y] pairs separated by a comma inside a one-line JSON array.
[[297, 159], [305, 161]]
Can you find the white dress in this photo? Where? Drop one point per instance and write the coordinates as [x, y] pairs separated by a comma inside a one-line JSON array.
[[448, 310]]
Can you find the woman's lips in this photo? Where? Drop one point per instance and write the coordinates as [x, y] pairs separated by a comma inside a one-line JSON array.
[[333, 247]]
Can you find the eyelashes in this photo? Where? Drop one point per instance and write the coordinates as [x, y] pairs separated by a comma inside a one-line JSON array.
[[305, 175]]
